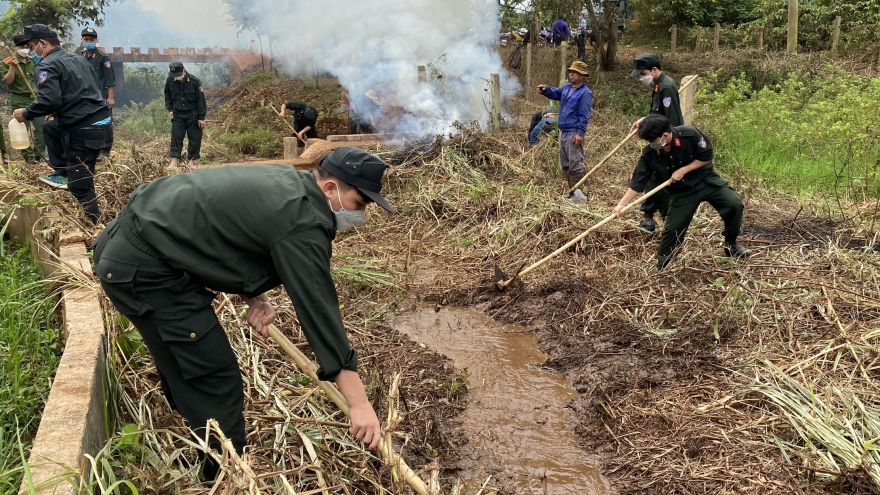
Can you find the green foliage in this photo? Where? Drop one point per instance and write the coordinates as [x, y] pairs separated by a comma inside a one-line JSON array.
[[60, 15], [858, 26], [664, 13], [807, 133], [254, 141], [143, 84], [146, 120], [29, 355]]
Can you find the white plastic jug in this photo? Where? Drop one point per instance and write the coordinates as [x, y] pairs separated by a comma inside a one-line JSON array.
[[18, 135]]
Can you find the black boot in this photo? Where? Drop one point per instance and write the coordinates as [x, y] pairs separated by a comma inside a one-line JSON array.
[[648, 224], [736, 250]]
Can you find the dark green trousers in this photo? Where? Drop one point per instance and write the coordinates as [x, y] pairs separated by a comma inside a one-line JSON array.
[[38, 145], [658, 202], [185, 124], [173, 313], [683, 206]]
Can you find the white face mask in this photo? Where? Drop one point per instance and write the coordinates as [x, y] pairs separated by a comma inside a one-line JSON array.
[[179, 78], [24, 52], [346, 219], [647, 79]]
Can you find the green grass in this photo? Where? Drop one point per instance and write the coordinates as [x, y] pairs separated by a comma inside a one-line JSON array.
[[808, 134], [145, 120], [29, 355]]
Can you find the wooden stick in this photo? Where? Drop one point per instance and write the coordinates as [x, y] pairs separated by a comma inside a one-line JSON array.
[[503, 284], [386, 450], [286, 122], [617, 148], [20, 71]]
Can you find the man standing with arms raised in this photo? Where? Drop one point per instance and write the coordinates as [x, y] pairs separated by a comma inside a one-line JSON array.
[[575, 104]]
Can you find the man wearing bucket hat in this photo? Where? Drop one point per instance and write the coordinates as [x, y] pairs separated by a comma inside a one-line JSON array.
[[258, 227], [80, 128], [185, 102], [102, 69], [575, 104]]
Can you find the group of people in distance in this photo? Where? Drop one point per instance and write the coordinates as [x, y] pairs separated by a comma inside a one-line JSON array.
[[678, 153]]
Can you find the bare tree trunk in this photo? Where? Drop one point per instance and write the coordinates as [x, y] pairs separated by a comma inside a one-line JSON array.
[[605, 33]]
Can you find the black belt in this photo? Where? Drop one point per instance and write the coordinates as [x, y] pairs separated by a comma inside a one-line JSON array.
[[126, 224], [94, 127]]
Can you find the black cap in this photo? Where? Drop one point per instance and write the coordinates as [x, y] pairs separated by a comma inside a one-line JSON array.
[[359, 169], [645, 61], [19, 40], [89, 32], [38, 32], [309, 113], [175, 69]]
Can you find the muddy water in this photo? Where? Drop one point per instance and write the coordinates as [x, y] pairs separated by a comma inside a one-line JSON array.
[[517, 415]]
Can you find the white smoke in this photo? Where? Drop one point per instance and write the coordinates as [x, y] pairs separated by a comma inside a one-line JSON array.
[[379, 44]]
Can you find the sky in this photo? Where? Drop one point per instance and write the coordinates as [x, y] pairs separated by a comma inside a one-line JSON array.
[[167, 23]]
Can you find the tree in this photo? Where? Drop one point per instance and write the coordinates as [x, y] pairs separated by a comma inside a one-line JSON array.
[[605, 31], [59, 15]]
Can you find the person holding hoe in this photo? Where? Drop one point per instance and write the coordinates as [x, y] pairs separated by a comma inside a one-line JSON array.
[[684, 155]]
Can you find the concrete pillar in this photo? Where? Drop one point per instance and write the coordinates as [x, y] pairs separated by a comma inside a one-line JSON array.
[[687, 98]]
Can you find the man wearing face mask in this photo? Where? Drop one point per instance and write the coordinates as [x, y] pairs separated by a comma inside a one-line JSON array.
[[185, 102], [21, 83], [684, 155], [258, 227], [67, 91], [104, 75], [664, 101]]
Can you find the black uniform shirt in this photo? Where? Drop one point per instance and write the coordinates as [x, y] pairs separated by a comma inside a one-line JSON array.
[[67, 90], [688, 144], [101, 68], [185, 96], [303, 115], [665, 100], [245, 229]]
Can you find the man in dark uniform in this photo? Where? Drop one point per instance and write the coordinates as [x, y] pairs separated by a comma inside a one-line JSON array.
[[104, 75], [22, 91], [185, 102], [684, 155], [80, 129], [259, 227], [305, 120], [664, 101]]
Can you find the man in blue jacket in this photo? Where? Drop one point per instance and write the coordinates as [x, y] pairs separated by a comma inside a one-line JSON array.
[[575, 102], [560, 31]]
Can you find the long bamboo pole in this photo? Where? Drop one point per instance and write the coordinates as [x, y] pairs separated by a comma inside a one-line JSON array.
[[308, 367], [503, 284], [617, 148]]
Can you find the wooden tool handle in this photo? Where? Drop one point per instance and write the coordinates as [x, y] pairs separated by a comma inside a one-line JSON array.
[[308, 367], [503, 284]]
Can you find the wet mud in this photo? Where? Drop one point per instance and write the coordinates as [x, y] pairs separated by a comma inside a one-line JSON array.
[[517, 418]]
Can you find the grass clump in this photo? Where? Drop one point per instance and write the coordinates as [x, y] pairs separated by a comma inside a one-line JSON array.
[[149, 120], [806, 134], [256, 141], [29, 355]]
